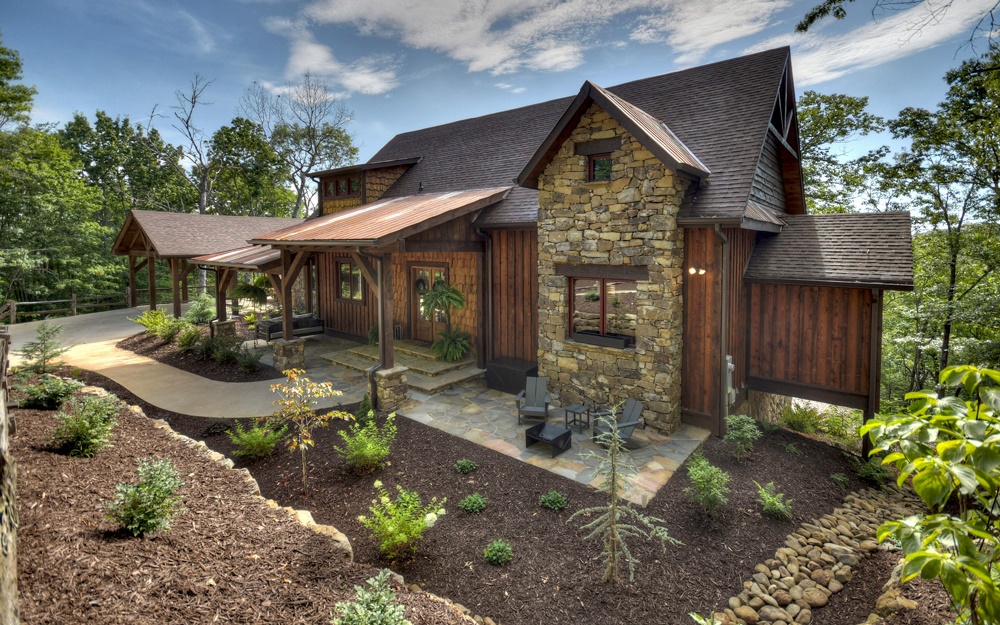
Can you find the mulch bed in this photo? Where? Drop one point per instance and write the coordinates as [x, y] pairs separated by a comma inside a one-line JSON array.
[[227, 559], [556, 574], [153, 347]]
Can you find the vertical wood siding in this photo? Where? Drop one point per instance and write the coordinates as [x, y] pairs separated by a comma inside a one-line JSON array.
[[740, 248], [514, 260], [463, 272], [817, 336], [702, 322], [340, 315]]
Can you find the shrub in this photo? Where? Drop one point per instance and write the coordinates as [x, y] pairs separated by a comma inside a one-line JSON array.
[[453, 345], [86, 429], [592, 296], [170, 328], [151, 319], [553, 500], [250, 319], [793, 449], [466, 466], [188, 339], [842, 424], [741, 432], [802, 418], [841, 480], [366, 446], [375, 605], [202, 310], [149, 505], [365, 411], [871, 470], [248, 358], [473, 504], [708, 483], [49, 393], [373, 335], [42, 354], [226, 350], [774, 503], [399, 525], [257, 442], [498, 553]]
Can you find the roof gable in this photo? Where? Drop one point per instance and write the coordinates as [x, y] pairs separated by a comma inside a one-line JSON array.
[[654, 135]]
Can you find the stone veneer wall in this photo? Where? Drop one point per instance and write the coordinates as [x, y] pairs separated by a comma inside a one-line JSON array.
[[629, 220], [766, 407]]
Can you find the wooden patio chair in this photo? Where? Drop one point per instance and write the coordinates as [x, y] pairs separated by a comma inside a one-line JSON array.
[[629, 419], [533, 401]]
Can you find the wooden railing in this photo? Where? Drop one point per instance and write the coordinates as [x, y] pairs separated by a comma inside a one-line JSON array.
[[72, 306]]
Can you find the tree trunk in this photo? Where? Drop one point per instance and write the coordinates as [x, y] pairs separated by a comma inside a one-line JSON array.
[[302, 451], [949, 310]]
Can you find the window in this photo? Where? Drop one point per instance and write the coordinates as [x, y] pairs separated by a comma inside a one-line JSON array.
[[351, 285], [603, 308], [343, 187], [599, 168]]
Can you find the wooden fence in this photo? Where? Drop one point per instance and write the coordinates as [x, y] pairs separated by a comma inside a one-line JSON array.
[[72, 306], [8, 509]]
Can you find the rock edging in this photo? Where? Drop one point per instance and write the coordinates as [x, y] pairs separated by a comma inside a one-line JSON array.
[[816, 560]]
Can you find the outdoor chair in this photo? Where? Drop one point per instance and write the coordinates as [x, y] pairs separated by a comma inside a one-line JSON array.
[[629, 418], [533, 401]]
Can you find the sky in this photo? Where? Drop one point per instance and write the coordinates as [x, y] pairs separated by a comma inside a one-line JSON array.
[[400, 65]]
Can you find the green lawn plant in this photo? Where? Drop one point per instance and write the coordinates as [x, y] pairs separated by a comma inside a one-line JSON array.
[[49, 393], [365, 412], [85, 426], [466, 466], [375, 605], [499, 553], [42, 354], [841, 480], [553, 500], [473, 504], [741, 433], [151, 319], [773, 502], [947, 446], [709, 483], [257, 442], [149, 505], [617, 521], [453, 343], [398, 525], [793, 448], [367, 445], [802, 417], [297, 401], [202, 310], [248, 358], [188, 339]]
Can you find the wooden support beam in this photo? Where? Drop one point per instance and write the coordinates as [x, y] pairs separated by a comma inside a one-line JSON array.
[[151, 270], [224, 276], [874, 369], [140, 264], [385, 319], [367, 270], [132, 268], [185, 269], [175, 282], [309, 287]]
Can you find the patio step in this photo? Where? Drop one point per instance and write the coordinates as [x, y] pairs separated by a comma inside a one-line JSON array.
[[436, 383], [418, 378], [419, 358]]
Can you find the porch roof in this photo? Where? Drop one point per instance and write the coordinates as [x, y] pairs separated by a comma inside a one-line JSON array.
[[250, 258], [383, 222]]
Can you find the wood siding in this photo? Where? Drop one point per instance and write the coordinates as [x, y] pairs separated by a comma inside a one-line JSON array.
[[514, 260], [740, 247], [811, 336], [768, 181], [337, 314], [702, 323], [463, 272]]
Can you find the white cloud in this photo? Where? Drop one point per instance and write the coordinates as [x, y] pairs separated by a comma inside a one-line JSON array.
[[820, 57], [370, 75], [203, 39], [506, 86]]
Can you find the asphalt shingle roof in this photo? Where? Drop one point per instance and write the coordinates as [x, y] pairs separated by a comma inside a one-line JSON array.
[[854, 250]]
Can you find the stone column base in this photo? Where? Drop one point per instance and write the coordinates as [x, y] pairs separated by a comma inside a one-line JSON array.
[[289, 354], [765, 407], [225, 328], [392, 388]]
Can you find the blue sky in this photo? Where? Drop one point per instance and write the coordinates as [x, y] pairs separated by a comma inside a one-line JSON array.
[[406, 64]]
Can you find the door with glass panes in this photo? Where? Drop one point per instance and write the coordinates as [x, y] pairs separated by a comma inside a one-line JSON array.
[[422, 279]]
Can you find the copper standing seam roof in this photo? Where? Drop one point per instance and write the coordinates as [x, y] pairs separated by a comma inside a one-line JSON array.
[[385, 221], [251, 257]]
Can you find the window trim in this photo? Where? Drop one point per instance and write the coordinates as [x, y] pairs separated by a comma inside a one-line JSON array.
[[332, 185], [603, 338], [359, 301], [590, 166]]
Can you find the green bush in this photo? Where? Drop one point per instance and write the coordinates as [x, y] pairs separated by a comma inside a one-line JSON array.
[[222, 349], [43, 353], [151, 319], [366, 446], [841, 480], [171, 328], [592, 296], [373, 335], [365, 411], [473, 504], [188, 339], [708, 483], [148, 506], [498, 553], [398, 525], [257, 442], [466, 466], [452, 345], [741, 432], [86, 428], [49, 393], [372, 606], [202, 310], [793, 449], [248, 358], [774, 503], [871, 470], [553, 500], [802, 418]]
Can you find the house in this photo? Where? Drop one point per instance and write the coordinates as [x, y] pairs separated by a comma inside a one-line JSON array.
[[646, 240]]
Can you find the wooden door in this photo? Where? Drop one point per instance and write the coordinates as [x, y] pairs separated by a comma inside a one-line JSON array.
[[421, 280]]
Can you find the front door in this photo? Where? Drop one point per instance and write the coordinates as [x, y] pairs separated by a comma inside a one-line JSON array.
[[421, 280]]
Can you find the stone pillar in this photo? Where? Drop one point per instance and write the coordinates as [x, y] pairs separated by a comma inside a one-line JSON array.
[[765, 407], [289, 354], [226, 328], [392, 388]]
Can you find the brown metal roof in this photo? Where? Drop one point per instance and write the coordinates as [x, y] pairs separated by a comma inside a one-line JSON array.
[[186, 235], [851, 250], [251, 257], [385, 221]]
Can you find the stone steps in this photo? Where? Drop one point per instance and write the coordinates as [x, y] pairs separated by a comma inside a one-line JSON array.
[[426, 374]]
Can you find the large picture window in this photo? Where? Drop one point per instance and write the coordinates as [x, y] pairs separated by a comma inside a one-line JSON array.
[[603, 307], [350, 283]]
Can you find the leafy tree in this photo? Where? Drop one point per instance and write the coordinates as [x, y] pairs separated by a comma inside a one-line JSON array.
[[42, 354], [251, 174], [948, 447], [15, 100]]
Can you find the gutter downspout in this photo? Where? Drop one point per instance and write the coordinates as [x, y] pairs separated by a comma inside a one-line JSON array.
[[488, 262], [724, 333]]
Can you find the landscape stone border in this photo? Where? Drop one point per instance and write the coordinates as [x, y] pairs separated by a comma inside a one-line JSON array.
[[304, 517], [817, 560]]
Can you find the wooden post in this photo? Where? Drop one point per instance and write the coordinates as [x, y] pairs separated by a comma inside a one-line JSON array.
[[184, 282], [385, 301], [13, 312], [151, 270], [72, 304], [874, 369], [309, 288], [130, 294], [286, 296], [175, 281]]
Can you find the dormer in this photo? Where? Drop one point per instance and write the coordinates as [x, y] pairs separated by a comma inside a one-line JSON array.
[[354, 185]]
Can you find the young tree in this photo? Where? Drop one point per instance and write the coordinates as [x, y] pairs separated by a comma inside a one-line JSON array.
[[201, 171], [251, 175], [15, 99]]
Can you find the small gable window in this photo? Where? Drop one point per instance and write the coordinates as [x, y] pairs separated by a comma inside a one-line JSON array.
[[599, 168], [351, 286], [343, 187]]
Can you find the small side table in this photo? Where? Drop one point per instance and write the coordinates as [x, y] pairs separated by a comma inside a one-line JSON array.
[[556, 435], [577, 415]]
